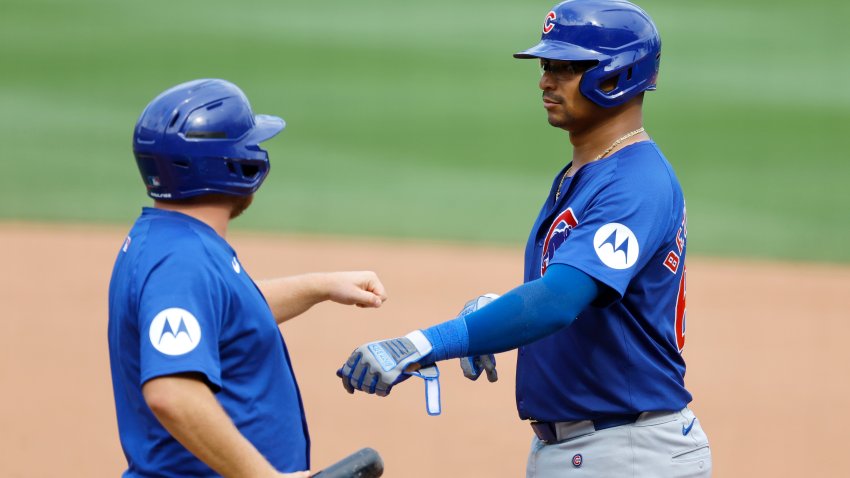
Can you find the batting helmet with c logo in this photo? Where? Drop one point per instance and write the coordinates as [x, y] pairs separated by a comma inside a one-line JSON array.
[[617, 34]]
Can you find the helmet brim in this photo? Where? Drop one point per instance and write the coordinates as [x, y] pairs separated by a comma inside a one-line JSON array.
[[557, 50], [265, 128]]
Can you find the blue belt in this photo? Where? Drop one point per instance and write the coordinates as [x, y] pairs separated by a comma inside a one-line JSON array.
[[547, 432]]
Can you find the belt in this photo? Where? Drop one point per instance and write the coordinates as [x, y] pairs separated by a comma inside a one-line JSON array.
[[553, 432]]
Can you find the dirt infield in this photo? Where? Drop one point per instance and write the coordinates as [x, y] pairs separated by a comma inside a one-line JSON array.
[[766, 348]]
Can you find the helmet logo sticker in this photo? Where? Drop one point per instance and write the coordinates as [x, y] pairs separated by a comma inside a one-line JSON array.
[[547, 24], [577, 460], [175, 331], [616, 246]]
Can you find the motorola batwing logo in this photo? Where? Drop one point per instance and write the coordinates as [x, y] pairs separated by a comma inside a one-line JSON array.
[[175, 331], [616, 245]]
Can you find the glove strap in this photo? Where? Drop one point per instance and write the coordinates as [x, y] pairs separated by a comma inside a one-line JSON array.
[[431, 375]]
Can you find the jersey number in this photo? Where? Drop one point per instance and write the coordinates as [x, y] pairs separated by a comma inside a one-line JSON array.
[[679, 326]]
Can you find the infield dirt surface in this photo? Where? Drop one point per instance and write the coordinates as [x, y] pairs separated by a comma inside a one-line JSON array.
[[766, 350]]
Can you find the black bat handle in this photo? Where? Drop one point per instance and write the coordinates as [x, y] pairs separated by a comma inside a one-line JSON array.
[[365, 463]]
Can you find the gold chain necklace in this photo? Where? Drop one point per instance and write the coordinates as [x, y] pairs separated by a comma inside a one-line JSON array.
[[604, 153]]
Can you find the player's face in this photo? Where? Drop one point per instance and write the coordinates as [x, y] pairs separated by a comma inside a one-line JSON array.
[[565, 106]]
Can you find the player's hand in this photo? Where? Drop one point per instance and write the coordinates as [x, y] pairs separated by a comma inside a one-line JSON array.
[[375, 367], [360, 288], [473, 366]]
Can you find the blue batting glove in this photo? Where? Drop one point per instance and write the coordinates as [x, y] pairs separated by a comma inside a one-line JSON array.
[[473, 366], [375, 367]]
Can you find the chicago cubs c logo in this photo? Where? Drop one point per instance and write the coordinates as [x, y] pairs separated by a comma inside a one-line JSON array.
[[547, 24], [558, 232], [616, 246], [175, 331]]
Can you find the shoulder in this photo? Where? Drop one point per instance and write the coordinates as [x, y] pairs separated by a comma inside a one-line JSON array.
[[639, 171], [173, 243], [643, 164]]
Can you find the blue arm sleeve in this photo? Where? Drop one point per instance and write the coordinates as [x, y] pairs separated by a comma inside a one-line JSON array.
[[521, 316]]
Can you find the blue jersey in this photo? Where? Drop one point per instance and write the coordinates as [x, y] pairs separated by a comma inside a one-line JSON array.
[[180, 301], [622, 221]]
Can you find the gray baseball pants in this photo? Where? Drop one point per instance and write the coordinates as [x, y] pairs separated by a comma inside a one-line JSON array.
[[657, 445]]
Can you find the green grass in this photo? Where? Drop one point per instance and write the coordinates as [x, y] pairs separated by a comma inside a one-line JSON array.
[[410, 119]]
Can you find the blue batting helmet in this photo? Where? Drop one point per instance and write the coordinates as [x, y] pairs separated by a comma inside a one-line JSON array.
[[615, 33], [201, 137]]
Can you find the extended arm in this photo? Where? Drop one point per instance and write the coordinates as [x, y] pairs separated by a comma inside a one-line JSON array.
[[187, 408], [523, 315], [289, 297]]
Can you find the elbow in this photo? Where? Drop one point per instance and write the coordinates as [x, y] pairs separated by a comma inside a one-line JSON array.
[[564, 321], [559, 322], [546, 324], [169, 397], [161, 400]]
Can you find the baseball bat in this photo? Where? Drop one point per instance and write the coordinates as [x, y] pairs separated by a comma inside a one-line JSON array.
[[364, 463]]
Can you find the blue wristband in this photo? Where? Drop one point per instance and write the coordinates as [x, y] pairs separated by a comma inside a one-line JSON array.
[[449, 339]]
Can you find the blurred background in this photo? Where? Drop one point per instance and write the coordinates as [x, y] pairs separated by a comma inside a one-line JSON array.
[[414, 135], [411, 119]]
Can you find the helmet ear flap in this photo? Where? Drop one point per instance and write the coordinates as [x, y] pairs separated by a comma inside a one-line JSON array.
[[246, 170], [622, 77], [619, 86], [610, 84]]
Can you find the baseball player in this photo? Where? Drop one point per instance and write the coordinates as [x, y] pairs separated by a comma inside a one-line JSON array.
[[600, 319], [201, 375]]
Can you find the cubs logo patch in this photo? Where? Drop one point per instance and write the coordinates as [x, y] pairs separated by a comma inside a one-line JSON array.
[[616, 246], [577, 460], [558, 233], [548, 24], [175, 331]]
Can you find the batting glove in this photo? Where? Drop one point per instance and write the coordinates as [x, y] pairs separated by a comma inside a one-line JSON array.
[[375, 367], [473, 366]]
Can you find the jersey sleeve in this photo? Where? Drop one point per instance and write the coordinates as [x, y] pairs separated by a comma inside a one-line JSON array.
[[619, 232], [181, 306]]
